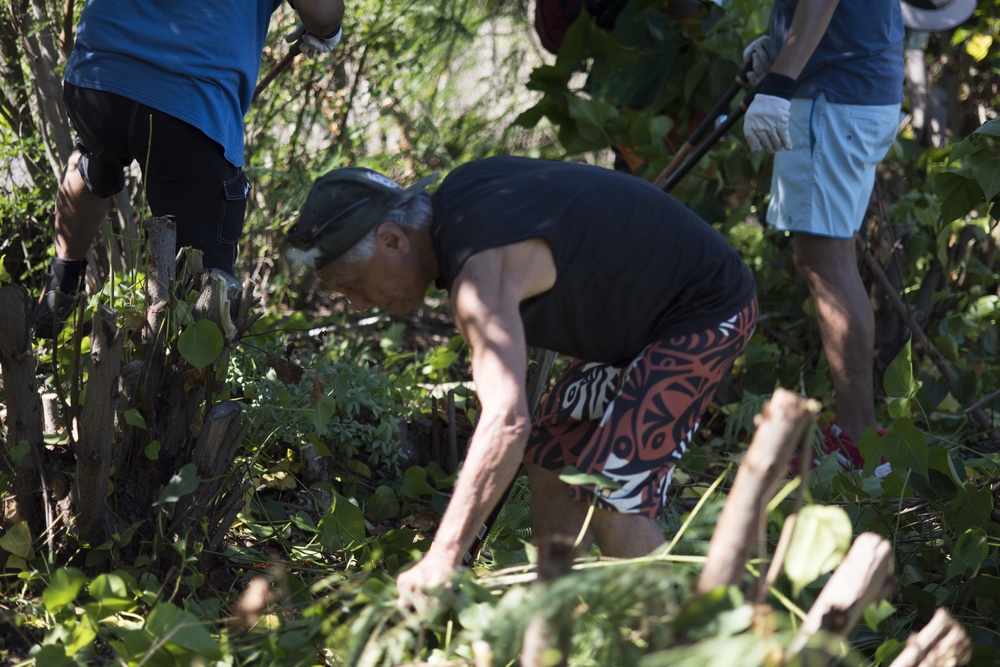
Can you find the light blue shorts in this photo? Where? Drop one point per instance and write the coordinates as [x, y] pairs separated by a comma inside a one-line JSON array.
[[823, 184]]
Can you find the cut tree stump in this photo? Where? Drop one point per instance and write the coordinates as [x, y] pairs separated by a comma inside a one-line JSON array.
[[783, 425]]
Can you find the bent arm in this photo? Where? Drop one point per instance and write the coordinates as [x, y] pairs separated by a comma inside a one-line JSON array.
[[809, 23], [320, 17], [486, 312]]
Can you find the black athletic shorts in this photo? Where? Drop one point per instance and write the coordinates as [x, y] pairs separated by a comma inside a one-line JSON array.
[[185, 173]]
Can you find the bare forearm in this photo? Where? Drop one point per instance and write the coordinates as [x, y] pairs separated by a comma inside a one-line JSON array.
[[495, 453], [809, 24], [320, 17]]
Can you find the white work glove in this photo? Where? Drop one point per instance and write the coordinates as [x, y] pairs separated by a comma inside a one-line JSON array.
[[311, 45], [758, 56], [765, 125]]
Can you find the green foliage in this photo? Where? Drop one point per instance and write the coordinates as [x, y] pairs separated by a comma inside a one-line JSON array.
[[330, 550], [972, 174]]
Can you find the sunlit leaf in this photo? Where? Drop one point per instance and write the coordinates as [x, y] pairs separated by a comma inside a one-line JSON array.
[[63, 587], [184, 481], [821, 537], [17, 540]]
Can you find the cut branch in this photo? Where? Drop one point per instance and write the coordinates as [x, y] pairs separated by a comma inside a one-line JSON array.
[[863, 577], [784, 423]]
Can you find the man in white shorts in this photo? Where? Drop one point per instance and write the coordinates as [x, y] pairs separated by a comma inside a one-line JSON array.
[[831, 85]]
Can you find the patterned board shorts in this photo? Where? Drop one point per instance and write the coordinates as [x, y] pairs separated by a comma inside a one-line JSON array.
[[632, 423]]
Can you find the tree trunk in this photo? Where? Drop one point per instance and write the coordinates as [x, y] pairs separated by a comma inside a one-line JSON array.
[[24, 406], [94, 450], [44, 58]]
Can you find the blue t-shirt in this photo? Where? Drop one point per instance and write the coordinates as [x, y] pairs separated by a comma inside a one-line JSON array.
[[197, 61], [860, 58]]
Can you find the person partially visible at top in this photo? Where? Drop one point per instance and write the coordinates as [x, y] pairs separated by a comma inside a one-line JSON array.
[[649, 300], [165, 83], [828, 107]]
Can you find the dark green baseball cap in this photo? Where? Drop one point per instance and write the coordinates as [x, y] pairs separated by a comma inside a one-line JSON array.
[[342, 206]]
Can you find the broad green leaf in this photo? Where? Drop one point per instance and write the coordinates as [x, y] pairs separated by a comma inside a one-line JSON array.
[[905, 447], [111, 594], [744, 650], [175, 626], [322, 412], [63, 588], [821, 537], [877, 612], [17, 540], [184, 481], [342, 526], [51, 655], [383, 504], [660, 126], [959, 193], [415, 484], [900, 385], [987, 173], [152, 450], [134, 418], [971, 550], [201, 343], [73, 635], [990, 128]]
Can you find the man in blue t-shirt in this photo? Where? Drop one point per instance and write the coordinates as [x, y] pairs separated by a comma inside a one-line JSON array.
[[831, 84], [165, 83]]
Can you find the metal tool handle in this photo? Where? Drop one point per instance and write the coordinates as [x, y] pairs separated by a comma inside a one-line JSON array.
[[294, 50]]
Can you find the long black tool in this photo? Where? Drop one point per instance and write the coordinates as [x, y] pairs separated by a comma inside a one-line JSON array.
[[697, 145], [693, 157], [293, 51]]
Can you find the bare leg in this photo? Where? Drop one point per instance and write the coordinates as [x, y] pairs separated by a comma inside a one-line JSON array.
[[846, 325], [79, 213], [618, 535], [553, 512]]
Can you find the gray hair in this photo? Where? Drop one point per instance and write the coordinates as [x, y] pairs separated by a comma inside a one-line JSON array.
[[411, 215]]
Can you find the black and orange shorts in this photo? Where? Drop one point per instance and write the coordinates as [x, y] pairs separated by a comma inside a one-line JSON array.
[[632, 423]]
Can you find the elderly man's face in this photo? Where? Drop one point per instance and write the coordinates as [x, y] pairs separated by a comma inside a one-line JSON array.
[[388, 279]]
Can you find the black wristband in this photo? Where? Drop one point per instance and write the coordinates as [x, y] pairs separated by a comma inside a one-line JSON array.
[[777, 85]]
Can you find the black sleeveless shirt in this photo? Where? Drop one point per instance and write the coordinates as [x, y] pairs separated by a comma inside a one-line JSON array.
[[633, 264]]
